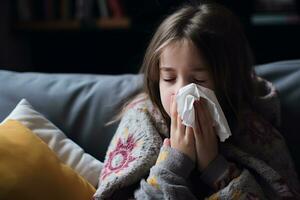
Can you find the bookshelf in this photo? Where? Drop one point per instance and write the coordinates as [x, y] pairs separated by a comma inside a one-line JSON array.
[[106, 38], [69, 15]]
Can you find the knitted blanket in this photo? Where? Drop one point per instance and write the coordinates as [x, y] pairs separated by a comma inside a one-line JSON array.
[[259, 152]]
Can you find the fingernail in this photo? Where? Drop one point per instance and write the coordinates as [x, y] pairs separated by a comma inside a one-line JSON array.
[[166, 142]]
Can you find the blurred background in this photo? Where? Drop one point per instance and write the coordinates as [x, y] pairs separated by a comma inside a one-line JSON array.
[[111, 36]]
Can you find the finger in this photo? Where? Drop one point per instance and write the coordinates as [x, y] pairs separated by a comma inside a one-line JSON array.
[[180, 127], [167, 142], [204, 119], [207, 113], [189, 134]]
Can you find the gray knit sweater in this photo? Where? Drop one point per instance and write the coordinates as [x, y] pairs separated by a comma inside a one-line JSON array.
[[253, 164]]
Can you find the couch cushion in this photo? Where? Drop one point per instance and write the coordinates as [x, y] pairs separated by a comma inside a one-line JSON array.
[[78, 104]]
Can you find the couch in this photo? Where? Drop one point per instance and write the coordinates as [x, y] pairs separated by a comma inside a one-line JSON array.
[[81, 105]]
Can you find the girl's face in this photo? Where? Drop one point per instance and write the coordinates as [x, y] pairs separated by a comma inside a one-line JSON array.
[[181, 63]]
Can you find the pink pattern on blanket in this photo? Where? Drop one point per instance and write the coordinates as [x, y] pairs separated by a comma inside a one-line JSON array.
[[120, 157]]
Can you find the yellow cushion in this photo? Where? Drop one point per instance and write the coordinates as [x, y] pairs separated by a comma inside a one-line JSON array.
[[30, 170]]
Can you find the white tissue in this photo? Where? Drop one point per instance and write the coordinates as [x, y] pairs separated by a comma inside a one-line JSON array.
[[185, 107]]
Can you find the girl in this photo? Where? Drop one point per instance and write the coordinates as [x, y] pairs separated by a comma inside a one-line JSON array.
[[154, 156]]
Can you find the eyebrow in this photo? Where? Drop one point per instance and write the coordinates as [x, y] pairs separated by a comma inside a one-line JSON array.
[[165, 68]]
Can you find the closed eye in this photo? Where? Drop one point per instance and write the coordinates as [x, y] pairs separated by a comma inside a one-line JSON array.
[[199, 80], [169, 79]]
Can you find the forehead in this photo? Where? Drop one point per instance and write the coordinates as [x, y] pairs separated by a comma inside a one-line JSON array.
[[182, 53]]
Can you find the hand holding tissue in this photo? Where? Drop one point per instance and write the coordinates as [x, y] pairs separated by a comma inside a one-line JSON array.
[[186, 97]]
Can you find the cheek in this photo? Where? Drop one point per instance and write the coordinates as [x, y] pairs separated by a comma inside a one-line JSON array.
[[166, 99], [168, 103]]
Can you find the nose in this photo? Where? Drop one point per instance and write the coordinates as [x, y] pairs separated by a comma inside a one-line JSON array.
[[181, 83]]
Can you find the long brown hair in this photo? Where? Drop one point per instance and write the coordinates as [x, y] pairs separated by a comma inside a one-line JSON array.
[[218, 33]]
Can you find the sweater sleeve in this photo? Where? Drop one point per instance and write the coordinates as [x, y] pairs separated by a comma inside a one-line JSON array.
[[243, 187], [168, 177], [229, 182], [219, 173]]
